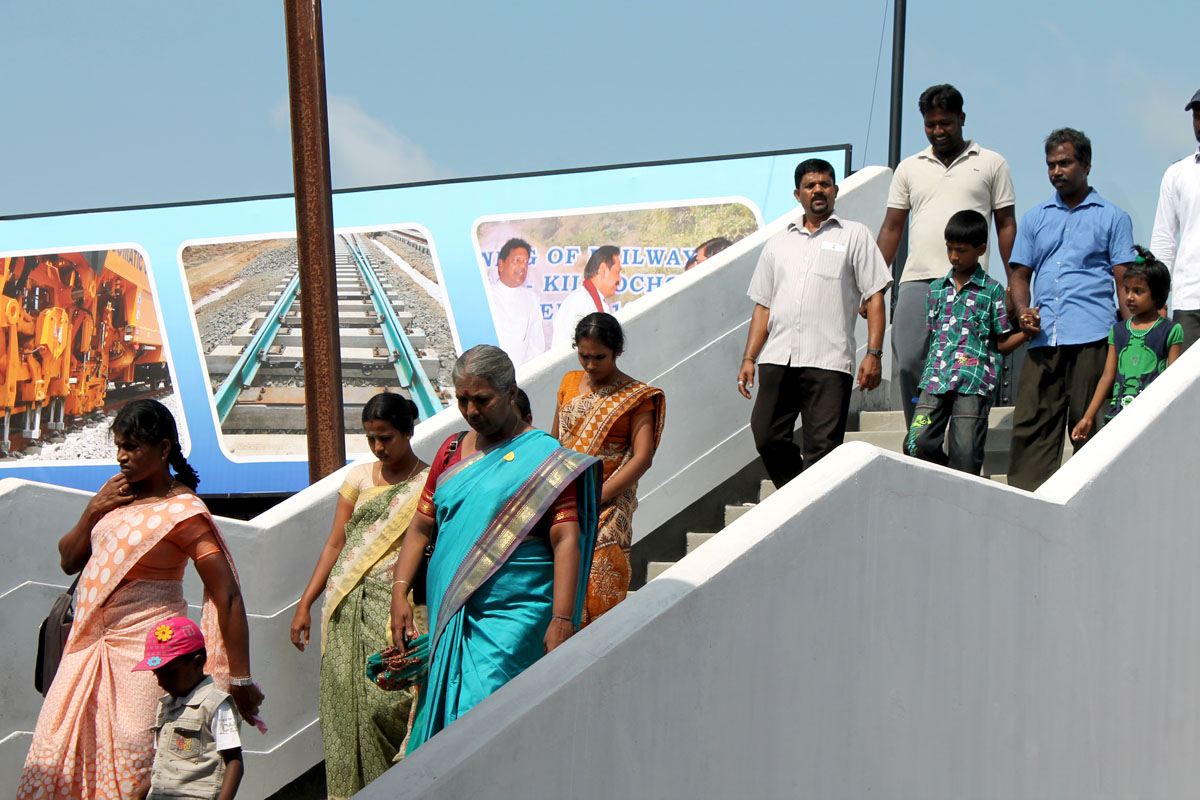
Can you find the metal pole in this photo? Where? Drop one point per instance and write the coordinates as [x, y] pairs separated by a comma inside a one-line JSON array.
[[895, 127], [314, 239]]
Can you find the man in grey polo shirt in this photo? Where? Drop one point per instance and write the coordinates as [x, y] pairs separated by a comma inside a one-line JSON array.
[[809, 282], [1178, 219], [951, 175]]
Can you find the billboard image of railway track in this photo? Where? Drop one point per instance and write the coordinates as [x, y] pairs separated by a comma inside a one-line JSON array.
[[395, 332], [80, 334]]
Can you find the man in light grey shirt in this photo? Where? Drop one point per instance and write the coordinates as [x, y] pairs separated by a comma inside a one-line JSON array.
[[953, 174], [1178, 217], [807, 288]]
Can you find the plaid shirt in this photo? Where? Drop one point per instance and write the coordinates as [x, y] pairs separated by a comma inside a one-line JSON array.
[[963, 326]]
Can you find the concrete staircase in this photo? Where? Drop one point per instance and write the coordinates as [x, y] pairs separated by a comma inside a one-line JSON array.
[[884, 429]]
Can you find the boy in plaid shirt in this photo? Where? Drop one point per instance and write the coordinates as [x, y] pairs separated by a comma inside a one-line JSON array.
[[968, 331]]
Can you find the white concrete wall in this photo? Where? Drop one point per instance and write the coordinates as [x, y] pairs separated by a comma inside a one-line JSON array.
[[886, 628], [686, 338]]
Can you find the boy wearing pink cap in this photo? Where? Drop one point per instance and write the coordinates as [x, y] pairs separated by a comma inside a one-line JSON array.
[[198, 748]]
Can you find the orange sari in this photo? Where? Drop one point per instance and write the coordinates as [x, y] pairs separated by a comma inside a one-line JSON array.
[[600, 424], [93, 736]]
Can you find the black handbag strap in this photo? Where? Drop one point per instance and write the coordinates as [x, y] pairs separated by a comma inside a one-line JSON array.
[[454, 444]]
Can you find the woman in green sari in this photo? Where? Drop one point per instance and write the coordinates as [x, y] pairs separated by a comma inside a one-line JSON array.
[[363, 726], [515, 518]]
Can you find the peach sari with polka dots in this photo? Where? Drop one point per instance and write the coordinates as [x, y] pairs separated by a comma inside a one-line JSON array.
[[93, 736]]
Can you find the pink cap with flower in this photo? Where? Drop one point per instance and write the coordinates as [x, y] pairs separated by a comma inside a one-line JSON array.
[[173, 637]]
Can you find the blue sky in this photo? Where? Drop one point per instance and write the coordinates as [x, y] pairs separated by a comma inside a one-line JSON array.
[[150, 102]]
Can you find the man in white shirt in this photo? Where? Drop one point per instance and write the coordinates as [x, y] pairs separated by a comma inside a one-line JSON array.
[[807, 287], [951, 175], [1178, 218], [515, 307], [601, 276]]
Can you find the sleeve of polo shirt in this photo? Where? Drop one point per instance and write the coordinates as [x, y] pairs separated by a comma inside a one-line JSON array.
[[1120, 240], [1003, 193], [1024, 250], [871, 272], [762, 284], [898, 196]]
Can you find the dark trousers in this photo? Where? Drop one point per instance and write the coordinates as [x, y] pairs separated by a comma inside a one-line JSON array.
[[1190, 320], [819, 397], [966, 416], [1056, 387], [910, 342]]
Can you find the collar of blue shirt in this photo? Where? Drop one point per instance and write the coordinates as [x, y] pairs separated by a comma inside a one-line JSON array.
[[1093, 199]]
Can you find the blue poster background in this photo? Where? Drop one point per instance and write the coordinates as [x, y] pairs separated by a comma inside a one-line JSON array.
[[448, 210]]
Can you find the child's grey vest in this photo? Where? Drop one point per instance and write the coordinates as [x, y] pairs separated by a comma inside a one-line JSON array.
[[186, 762]]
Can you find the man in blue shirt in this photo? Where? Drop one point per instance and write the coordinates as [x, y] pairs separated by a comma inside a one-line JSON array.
[[1075, 246]]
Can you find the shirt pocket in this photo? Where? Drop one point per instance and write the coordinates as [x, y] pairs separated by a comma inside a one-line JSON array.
[[831, 261], [186, 742]]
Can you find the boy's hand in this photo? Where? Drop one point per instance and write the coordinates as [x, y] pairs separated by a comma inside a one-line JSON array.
[[1083, 429], [1031, 321]]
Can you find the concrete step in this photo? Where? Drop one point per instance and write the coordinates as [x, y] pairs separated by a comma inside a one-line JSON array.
[[875, 421], [734, 512], [765, 490], [694, 540], [656, 568]]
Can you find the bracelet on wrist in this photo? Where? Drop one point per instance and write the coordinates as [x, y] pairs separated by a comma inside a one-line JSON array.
[[241, 680], [400, 580], [564, 618], [747, 358]]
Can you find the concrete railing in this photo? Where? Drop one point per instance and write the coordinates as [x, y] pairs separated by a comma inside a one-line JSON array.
[[883, 627], [685, 338]]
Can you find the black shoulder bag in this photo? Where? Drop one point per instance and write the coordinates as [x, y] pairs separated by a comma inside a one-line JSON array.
[[52, 638]]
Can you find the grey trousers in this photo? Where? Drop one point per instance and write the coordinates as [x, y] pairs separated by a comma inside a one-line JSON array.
[[1190, 320], [910, 342]]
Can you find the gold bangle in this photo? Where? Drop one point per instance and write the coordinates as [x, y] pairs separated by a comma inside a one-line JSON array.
[[564, 618], [400, 580]]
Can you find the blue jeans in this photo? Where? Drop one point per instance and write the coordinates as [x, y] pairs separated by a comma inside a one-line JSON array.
[[966, 416]]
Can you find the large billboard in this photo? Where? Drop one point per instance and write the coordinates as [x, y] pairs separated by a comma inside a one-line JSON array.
[[198, 304]]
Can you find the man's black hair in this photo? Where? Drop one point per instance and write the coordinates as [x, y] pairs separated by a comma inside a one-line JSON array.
[[818, 165], [514, 242], [713, 246], [967, 227], [602, 257], [1153, 272], [942, 97], [1077, 139]]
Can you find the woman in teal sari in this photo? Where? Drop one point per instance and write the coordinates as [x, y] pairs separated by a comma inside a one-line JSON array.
[[515, 516]]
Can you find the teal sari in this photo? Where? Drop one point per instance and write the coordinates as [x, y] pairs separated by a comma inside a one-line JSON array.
[[490, 584]]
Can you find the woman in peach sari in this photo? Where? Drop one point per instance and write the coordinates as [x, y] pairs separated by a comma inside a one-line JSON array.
[[603, 412], [133, 542]]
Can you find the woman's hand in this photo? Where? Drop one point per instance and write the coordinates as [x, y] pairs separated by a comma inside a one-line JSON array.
[[404, 627], [301, 626], [248, 700], [557, 632], [115, 493]]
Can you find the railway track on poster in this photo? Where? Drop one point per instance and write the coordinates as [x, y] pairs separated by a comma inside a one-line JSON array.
[[261, 373]]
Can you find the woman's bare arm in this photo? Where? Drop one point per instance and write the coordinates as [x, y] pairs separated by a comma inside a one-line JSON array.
[[564, 542], [642, 442], [302, 620]]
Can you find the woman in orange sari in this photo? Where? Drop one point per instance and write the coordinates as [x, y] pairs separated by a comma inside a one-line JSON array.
[[133, 542], [603, 412]]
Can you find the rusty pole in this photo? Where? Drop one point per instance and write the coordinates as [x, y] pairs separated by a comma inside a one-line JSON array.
[[314, 239]]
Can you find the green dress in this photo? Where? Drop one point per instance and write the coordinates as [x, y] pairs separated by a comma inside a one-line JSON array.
[[363, 726]]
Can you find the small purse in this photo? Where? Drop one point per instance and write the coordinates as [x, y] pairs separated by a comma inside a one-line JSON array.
[[52, 638], [399, 668]]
